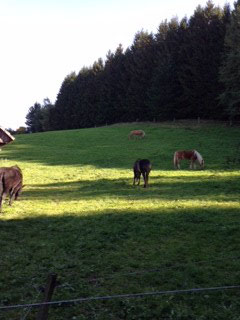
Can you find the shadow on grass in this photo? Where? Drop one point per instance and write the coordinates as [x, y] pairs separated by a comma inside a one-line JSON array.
[[184, 188], [93, 255], [107, 148]]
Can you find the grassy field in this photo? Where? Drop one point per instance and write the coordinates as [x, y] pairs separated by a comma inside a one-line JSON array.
[[81, 218]]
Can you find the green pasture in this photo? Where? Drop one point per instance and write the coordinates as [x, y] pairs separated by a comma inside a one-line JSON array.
[[80, 217]]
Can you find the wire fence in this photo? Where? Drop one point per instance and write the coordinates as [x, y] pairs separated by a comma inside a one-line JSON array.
[[61, 303]]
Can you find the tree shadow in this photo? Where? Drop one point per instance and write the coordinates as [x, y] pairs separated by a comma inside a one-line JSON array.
[[112, 252], [106, 150], [183, 188]]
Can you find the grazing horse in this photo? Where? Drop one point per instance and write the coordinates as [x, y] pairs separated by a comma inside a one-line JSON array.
[[137, 134], [141, 167], [191, 155], [10, 183]]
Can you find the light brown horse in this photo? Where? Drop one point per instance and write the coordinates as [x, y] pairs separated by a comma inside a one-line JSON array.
[[191, 155], [137, 134]]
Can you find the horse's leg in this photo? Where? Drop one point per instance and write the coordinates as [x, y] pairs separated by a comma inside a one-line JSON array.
[[147, 174], [11, 199], [1, 191], [191, 164], [178, 164], [139, 180], [145, 179], [11, 196], [0, 203], [136, 180], [194, 165]]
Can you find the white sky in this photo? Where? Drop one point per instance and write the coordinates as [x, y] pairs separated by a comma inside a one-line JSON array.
[[42, 41]]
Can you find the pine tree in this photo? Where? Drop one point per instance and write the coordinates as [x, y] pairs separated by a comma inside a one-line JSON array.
[[34, 118], [140, 63], [165, 90], [201, 53], [230, 70], [60, 115], [114, 82]]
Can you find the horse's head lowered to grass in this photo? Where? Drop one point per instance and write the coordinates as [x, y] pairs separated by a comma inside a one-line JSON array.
[[192, 155], [137, 134], [141, 167]]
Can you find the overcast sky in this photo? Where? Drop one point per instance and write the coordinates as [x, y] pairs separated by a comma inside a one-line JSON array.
[[42, 41]]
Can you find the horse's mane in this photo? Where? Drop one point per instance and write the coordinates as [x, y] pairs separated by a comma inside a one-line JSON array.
[[199, 157]]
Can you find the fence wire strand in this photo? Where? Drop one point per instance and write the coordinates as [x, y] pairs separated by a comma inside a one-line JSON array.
[[119, 296]]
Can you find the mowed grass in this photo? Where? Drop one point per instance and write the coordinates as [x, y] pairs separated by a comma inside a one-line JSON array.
[[81, 218]]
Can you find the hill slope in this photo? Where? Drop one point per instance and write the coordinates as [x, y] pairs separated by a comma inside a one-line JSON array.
[[80, 217]]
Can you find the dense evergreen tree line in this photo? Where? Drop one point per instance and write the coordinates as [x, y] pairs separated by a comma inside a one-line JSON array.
[[188, 69]]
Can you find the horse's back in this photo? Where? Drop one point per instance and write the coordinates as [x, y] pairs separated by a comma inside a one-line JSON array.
[[185, 154], [145, 165], [139, 133], [11, 177]]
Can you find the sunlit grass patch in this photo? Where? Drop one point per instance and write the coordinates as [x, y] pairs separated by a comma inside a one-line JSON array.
[[81, 217]]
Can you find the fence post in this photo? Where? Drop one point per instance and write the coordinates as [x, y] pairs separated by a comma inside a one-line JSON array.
[[51, 284]]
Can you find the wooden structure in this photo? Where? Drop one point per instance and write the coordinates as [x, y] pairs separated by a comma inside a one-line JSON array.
[[5, 137]]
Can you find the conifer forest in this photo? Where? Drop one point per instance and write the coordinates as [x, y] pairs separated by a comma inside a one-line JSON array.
[[188, 69]]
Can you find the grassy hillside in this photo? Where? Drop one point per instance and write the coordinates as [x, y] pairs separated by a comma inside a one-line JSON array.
[[80, 217]]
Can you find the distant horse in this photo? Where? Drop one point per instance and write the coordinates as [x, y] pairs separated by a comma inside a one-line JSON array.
[[136, 133], [10, 183], [141, 167], [191, 155]]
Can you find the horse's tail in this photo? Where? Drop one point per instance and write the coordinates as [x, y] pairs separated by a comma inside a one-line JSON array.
[[17, 168], [175, 160], [199, 158], [136, 166]]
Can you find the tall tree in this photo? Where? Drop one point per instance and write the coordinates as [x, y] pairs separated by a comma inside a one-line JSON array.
[[34, 118], [165, 90], [115, 81], [60, 115], [45, 114], [230, 70], [88, 86], [140, 64], [201, 56]]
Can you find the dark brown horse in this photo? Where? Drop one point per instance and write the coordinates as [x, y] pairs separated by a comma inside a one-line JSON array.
[[143, 167], [11, 180]]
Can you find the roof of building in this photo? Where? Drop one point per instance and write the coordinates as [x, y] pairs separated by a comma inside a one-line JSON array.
[[5, 135]]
